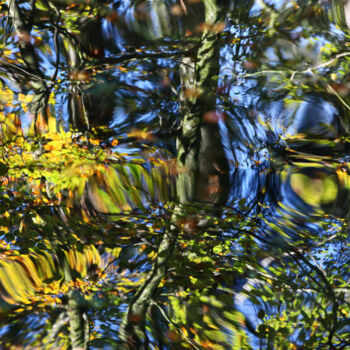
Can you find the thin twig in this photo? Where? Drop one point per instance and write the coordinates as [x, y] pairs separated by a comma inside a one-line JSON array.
[[339, 97], [193, 342], [294, 72]]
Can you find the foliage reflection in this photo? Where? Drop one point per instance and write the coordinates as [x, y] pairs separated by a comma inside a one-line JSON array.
[[174, 174]]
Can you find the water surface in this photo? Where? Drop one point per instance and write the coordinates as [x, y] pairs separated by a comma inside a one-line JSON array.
[[174, 174]]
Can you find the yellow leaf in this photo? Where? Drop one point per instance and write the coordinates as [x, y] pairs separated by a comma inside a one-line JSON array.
[[184, 330], [95, 142], [54, 146]]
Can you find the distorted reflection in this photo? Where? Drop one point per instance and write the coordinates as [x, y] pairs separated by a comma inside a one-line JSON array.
[[174, 174]]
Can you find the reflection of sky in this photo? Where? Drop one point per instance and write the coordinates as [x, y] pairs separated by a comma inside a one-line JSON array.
[[245, 180]]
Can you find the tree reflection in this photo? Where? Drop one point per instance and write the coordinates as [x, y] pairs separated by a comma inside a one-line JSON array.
[[174, 174]]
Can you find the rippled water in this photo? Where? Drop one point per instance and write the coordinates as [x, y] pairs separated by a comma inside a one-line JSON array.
[[174, 174]]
